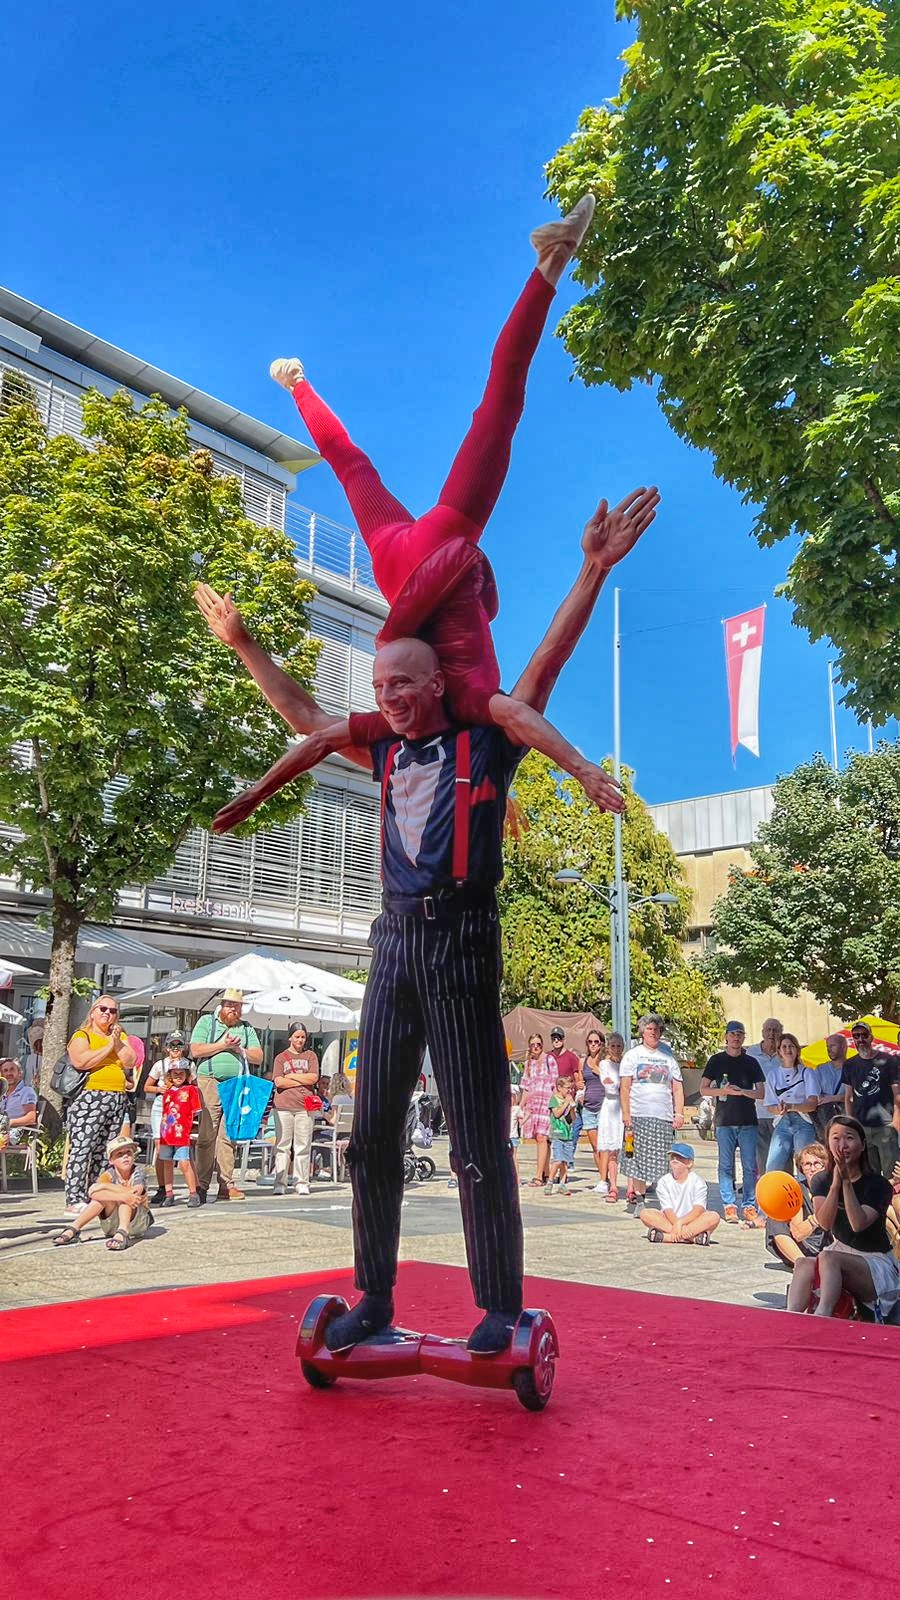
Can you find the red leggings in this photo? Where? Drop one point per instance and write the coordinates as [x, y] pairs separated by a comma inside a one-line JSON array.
[[477, 474]]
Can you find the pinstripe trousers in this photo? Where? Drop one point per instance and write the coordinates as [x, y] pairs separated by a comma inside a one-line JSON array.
[[436, 983]]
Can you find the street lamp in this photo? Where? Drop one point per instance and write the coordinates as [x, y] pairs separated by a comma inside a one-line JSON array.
[[620, 904]]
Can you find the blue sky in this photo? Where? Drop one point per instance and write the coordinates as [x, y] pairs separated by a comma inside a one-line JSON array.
[[211, 185]]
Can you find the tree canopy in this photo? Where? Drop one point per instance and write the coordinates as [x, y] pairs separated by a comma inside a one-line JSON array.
[[819, 908], [746, 257], [123, 723], [556, 937]]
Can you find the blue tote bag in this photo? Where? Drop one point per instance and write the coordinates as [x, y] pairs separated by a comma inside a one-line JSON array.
[[245, 1101]]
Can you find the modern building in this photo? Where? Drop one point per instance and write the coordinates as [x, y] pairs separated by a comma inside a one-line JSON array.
[[710, 835], [309, 888]]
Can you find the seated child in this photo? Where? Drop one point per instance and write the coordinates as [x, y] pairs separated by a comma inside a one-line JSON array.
[[683, 1216], [563, 1111], [790, 1242], [118, 1199]]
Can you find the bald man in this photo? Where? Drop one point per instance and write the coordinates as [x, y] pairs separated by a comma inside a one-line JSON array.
[[435, 973]]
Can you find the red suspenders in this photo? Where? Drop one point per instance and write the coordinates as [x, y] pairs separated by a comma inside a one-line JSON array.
[[462, 800]]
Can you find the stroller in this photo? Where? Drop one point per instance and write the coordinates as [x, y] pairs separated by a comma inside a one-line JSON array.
[[417, 1141]]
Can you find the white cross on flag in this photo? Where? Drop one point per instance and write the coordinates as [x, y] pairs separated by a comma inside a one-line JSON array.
[[743, 659]]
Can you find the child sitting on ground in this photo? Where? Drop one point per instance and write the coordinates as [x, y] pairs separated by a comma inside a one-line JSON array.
[[118, 1199], [683, 1216], [181, 1102], [562, 1146]]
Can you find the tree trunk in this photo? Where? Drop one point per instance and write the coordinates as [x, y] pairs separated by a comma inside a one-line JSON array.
[[66, 926]]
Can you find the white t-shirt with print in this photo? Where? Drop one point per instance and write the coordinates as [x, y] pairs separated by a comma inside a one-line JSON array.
[[681, 1197], [652, 1073], [156, 1075]]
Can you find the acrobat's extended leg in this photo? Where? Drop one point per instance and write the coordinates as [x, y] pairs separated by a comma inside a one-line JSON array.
[[372, 504], [482, 461]]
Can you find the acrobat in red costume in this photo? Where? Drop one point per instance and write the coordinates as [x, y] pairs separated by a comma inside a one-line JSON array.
[[431, 569]]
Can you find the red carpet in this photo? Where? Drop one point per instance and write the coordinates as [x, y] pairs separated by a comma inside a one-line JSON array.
[[166, 1443]]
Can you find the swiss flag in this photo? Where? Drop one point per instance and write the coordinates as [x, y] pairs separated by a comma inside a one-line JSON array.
[[743, 659]]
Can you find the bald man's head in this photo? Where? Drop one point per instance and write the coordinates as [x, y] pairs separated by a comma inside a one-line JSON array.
[[409, 687]]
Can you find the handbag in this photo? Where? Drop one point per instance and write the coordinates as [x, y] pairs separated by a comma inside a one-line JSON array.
[[313, 1103], [67, 1079]]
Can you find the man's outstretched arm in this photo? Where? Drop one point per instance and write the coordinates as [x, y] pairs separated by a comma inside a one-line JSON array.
[[292, 702], [608, 537]]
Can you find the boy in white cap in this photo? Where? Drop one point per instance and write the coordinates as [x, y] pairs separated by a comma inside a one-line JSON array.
[[118, 1200], [683, 1216]]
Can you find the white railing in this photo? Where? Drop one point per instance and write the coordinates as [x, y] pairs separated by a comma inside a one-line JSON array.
[[328, 547]]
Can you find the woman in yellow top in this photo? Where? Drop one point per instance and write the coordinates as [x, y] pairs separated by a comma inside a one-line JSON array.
[[101, 1049]]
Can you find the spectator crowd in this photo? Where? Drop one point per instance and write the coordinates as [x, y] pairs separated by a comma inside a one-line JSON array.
[[835, 1126]]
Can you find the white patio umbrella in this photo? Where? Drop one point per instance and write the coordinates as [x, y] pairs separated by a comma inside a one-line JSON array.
[[12, 969], [255, 972], [303, 1004], [8, 1015]]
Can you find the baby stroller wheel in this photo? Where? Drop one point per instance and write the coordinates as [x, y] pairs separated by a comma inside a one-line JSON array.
[[426, 1167], [409, 1169]]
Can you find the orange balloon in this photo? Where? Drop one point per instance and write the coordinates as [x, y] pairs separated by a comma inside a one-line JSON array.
[[779, 1195]]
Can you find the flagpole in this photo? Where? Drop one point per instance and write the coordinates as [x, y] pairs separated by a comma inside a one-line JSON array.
[[618, 912], [832, 718]]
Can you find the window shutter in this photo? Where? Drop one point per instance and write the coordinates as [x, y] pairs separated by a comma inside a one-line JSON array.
[[362, 654], [333, 667], [362, 856], [275, 865], [229, 867], [321, 849]]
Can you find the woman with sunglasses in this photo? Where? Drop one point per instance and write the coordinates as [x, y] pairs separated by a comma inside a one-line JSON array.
[[602, 1113], [101, 1050]]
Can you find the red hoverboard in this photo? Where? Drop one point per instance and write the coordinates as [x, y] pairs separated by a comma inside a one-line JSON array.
[[527, 1365]]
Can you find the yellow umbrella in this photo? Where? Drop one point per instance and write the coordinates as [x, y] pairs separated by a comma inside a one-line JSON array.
[[885, 1033]]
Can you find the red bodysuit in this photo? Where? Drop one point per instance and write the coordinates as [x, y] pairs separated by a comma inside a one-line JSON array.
[[431, 569]]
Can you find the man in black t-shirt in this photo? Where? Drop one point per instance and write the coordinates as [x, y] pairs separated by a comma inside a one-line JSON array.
[[734, 1080], [872, 1083]]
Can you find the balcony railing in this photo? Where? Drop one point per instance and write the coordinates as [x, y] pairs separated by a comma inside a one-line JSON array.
[[327, 547]]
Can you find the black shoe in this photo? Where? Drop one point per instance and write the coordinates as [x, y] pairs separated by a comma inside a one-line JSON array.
[[372, 1314], [493, 1334], [201, 1197], [168, 1200], [159, 1198]]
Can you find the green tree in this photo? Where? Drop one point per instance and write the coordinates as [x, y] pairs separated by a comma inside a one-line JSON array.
[[746, 258], [556, 938], [819, 908], [123, 723]]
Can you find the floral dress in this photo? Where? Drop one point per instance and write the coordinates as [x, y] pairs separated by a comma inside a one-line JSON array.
[[539, 1082]]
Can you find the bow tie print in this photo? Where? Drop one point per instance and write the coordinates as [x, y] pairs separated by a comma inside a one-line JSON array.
[[409, 756]]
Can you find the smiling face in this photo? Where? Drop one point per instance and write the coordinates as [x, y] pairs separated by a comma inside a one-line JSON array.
[[409, 688], [651, 1033]]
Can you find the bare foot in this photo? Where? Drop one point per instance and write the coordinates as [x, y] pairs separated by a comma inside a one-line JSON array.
[[288, 371], [557, 242]]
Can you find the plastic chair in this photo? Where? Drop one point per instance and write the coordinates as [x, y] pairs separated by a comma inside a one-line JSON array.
[[334, 1137], [26, 1147]]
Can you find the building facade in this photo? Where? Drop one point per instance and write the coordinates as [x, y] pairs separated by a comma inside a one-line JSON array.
[[710, 835], [309, 888]]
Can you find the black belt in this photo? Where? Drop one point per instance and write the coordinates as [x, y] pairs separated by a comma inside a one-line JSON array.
[[449, 901]]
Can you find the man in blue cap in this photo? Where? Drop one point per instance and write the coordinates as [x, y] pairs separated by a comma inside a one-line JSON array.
[[682, 1216]]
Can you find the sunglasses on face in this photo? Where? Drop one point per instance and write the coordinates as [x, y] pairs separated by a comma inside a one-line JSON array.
[[108, 1011]]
